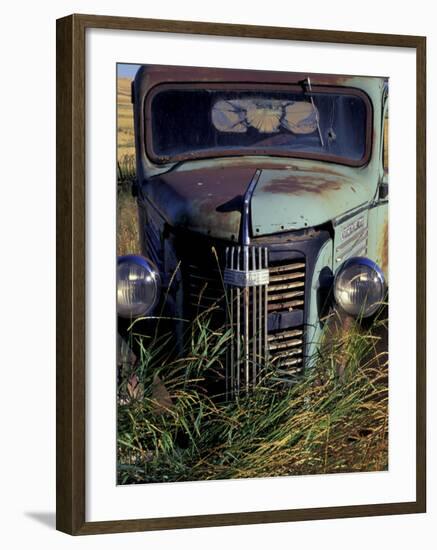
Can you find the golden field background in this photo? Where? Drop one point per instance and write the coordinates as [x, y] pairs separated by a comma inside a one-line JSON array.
[[125, 123], [127, 215]]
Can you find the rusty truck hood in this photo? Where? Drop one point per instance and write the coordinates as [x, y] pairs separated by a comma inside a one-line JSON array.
[[298, 198], [209, 200]]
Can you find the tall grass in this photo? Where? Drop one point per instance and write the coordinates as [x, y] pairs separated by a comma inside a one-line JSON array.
[[126, 171], [128, 241], [171, 429], [125, 120]]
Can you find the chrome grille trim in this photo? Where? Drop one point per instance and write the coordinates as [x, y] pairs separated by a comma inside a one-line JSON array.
[[355, 245], [252, 347], [247, 319], [359, 249], [362, 235]]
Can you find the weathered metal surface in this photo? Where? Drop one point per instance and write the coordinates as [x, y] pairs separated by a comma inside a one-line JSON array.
[[306, 196], [351, 238], [210, 201], [151, 75], [378, 236], [207, 201]]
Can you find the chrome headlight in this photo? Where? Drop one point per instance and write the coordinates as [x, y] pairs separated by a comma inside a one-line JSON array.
[[359, 287], [138, 286]]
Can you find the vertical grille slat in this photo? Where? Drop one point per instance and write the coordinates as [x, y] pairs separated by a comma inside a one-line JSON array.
[[254, 320], [265, 308], [237, 334], [260, 308]]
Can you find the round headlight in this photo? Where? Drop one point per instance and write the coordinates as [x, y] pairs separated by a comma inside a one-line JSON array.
[[138, 286], [359, 287]]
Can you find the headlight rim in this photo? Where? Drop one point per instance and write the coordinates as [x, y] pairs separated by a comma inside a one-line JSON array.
[[367, 262], [149, 266]]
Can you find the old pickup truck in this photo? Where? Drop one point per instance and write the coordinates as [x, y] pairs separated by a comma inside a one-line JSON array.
[[265, 193]]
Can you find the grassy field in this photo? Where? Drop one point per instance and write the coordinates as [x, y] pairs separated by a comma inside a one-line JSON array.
[[125, 134], [170, 429], [127, 218], [127, 224]]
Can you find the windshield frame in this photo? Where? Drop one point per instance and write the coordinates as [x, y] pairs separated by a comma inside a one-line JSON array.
[[221, 152]]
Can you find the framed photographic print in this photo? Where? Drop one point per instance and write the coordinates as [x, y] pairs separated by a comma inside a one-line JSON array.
[[241, 274]]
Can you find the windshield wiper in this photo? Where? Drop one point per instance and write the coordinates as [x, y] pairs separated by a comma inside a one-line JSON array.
[[306, 85]]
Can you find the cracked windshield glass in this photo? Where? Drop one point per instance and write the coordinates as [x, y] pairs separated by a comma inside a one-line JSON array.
[[186, 121]]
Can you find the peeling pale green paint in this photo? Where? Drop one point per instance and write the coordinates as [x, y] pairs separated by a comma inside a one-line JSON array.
[[310, 194]]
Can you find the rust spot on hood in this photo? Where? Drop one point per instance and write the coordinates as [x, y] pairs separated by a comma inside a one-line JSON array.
[[304, 184]]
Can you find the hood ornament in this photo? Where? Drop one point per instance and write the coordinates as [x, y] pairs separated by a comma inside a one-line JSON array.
[[241, 275]]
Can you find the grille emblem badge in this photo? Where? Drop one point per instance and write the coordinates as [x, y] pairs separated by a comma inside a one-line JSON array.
[[240, 278]]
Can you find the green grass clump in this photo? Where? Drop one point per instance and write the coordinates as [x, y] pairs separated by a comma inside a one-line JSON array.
[[331, 420], [128, 241], [126, 172]]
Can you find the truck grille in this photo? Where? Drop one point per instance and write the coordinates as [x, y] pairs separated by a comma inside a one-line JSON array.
[[204, 286], [286, 351], [286, 286], [286, 292], [248, 300], [253, 297]]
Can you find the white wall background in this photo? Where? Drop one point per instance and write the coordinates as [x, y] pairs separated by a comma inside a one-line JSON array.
[[27, 218]]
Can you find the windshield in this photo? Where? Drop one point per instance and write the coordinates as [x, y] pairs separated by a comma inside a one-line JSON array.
[[191, 123]]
